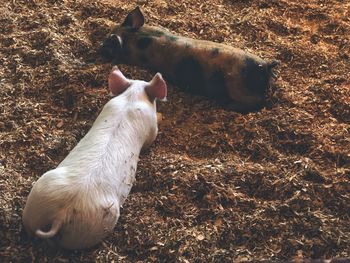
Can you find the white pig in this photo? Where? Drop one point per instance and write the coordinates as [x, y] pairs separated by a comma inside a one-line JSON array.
[[77, 204]]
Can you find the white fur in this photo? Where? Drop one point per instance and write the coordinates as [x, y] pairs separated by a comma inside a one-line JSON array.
[[77, 204]]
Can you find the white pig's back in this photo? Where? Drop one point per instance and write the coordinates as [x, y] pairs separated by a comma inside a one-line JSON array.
[[106, 158]]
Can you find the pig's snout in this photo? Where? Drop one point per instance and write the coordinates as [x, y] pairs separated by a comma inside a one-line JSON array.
[[256, 76]]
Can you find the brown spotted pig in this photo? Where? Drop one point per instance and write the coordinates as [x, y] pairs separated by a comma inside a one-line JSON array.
[[236, 78]]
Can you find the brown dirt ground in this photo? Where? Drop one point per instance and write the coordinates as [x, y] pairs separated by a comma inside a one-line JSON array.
[[216, 185]]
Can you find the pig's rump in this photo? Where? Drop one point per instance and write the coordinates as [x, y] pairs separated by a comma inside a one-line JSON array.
[[80, 215]]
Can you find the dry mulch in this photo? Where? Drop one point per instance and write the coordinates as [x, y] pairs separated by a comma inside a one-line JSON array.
[[216, 185]]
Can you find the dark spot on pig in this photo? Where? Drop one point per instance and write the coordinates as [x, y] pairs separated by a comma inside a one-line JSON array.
[[143, 59], [144, 42], [216, 88], [255, 77], [187, 46], [157, 33], [172, 38], [214, 52], [126, 52], [189, 74]]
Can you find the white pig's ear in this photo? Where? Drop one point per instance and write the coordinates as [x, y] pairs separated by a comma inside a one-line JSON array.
[[157, 88], [117, 82]]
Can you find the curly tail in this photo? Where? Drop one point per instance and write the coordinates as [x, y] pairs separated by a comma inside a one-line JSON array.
[[56, 225]]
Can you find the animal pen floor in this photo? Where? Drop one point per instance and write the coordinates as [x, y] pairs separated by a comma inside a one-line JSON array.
[[216, 185]]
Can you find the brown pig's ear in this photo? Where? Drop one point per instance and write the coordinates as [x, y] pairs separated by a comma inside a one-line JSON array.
[[134, 19], [117, 82], [157, 88]]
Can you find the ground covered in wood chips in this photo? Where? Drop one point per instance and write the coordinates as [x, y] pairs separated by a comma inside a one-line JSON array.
[[216, 186]]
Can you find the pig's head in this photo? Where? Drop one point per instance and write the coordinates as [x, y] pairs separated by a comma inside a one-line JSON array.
[[257, 74], [140, 97], [114, 47]]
